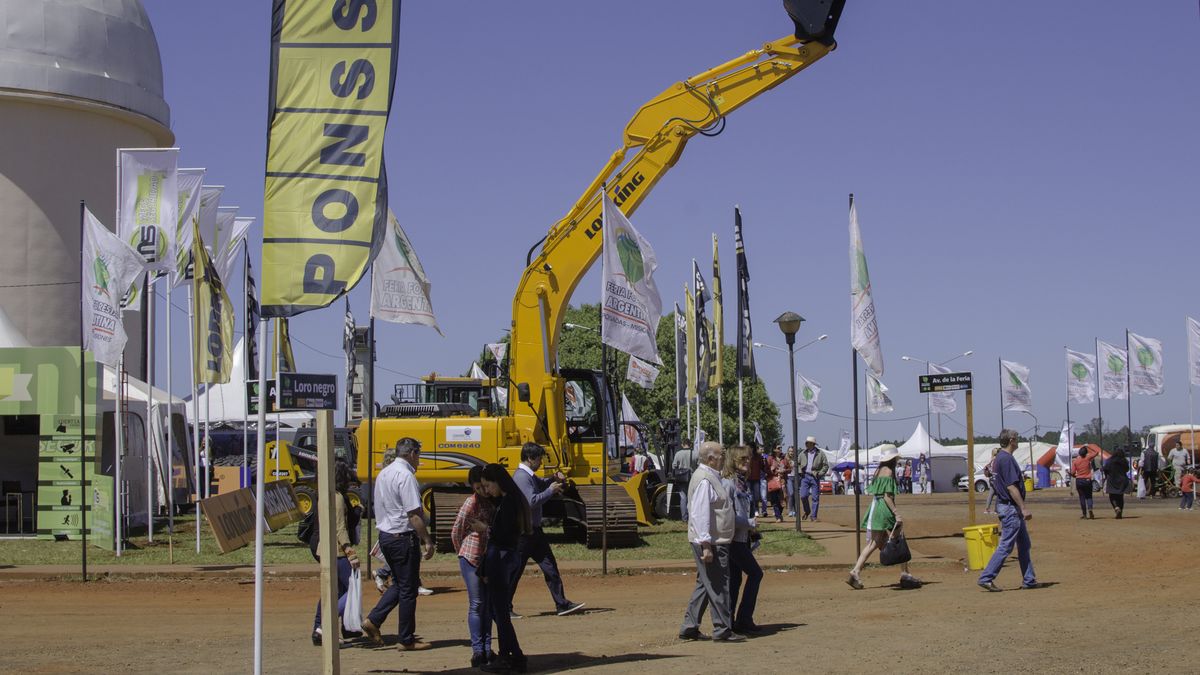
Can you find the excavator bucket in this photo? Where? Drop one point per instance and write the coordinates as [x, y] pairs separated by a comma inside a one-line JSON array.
[[815, 19]]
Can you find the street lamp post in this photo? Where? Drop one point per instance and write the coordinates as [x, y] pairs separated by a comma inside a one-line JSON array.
[[789, 324]]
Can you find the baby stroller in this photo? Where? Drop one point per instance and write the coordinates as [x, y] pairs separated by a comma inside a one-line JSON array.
[[1166, 486]]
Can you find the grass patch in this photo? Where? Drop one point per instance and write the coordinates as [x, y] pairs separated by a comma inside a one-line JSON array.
[[666, 541]]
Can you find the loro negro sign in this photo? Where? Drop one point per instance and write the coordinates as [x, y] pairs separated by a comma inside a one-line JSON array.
[[300, 391]]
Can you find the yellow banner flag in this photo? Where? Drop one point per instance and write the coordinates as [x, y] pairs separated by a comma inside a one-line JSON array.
[[325, 197], [689, 312], [212, 328]]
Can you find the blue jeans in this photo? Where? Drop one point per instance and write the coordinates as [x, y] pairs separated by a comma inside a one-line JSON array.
[[810, 487], [758, 495], [403, 555], [500, 564], [741, 561], [479, 621], [791, 492], [1013, 532], [343, 582]]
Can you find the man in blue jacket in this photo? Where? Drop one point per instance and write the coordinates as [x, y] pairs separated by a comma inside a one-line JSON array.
[[538, 491]]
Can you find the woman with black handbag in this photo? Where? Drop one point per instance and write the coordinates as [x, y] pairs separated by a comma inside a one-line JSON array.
[[883, 524]]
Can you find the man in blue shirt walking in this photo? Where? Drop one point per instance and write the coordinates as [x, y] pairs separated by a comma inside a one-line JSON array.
[[1009, 487], [538, 491]]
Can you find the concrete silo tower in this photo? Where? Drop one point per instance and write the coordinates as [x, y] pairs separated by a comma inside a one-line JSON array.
[[78, 79]]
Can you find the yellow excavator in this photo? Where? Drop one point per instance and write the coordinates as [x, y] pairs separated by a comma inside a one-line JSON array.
[[573, 413]]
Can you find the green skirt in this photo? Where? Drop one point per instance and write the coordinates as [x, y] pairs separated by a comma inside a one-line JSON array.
[[879, 517]]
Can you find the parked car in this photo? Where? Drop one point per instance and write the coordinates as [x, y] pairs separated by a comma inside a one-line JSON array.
[[982, 483]]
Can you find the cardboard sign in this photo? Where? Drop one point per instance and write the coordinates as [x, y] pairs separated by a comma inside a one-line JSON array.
[[280, 504], [231, 517]]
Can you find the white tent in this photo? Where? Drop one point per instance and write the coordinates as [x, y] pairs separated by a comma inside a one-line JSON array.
[[983, 452], [227, 402], [10, 336], [921, 444]]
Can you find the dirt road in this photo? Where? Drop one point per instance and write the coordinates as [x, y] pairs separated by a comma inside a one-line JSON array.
[[1117, 600]]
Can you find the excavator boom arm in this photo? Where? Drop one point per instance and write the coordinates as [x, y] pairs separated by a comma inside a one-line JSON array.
[[658, 132]]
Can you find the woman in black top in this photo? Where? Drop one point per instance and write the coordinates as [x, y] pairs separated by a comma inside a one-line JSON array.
[[1116, 480], [499, 563]]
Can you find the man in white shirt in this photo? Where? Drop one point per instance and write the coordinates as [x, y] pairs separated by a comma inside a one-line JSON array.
[[1178, 457], [710, 529], [404, 540]]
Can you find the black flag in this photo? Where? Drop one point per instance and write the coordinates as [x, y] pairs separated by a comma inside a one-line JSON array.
[[745, 338], [703, 360], [348, 346], [252, 318], [681, 358]]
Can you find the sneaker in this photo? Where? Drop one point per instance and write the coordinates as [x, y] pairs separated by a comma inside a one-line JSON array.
[[372, 632], [421, 590], [513, 616], [382, 579], [908, 581], [570, 608], [791, 514], [989, 586], [414, 646], [730, 637]]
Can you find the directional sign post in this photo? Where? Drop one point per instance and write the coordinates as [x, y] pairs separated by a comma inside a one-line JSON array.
[[934, 382], [252, 396], [301, 391]]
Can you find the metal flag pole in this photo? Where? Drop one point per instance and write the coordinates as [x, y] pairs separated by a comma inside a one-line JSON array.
[[1000, 370], [170, 435], [857, 450], [83, 507], [1099, 399], [195, 410], [150, 301], [1070, 449], [1128, 394], [119, 432], [741, 424], [604, 463], [370, 496], [720, 417], [244, 479], [260, 490], [867, 412]]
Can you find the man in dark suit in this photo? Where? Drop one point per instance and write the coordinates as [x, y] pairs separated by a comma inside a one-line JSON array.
[[538, 491]]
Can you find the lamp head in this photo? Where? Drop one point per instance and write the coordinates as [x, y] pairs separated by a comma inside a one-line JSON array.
[[789, 323]]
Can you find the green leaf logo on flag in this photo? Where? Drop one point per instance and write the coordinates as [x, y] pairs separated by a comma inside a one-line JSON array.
[[1145, 357], [631, 256], [100, 269], [1079, 370], [864, 279], [1012, 377], [807, 393], [1116, 364]]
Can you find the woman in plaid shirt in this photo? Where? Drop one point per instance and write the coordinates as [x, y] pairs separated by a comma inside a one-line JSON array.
[[469, 536]]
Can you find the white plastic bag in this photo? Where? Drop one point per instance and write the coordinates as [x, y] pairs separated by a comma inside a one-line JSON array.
[[1141, 493], [352, 616]]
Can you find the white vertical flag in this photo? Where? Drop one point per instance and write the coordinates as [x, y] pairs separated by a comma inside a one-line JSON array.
[[1081, 377], [498, 350], [809, 391], [110, 266], [189, 181], [941, 402], [758, 437], [400, 291], [844, 447], [1014, 387], [1193, 333], [1065, 451], [210, 203], [1145, 366], [149, 203], [879, 402], [229, 252], [629, 433], [864, 333], [629, 300], [1112, 362], [641, 373]]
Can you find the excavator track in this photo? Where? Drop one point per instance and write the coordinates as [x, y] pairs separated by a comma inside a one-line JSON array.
[[583, 521], [445, 506]]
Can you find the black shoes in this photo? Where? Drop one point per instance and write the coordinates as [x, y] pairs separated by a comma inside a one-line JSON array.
[[316, 637], [989, 586], [570, 608], [730, 637], [480, 658], [693, 634], [506, 664]]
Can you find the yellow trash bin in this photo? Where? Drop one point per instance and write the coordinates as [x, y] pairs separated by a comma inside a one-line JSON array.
[[1028, 485], [981, 543]]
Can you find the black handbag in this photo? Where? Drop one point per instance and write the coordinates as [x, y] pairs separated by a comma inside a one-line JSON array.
[[895, 551]]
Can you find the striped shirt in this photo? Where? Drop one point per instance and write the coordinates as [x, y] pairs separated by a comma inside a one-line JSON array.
[[469, 543]]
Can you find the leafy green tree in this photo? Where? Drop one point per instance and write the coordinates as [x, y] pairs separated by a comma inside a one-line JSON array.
[[580, 348]]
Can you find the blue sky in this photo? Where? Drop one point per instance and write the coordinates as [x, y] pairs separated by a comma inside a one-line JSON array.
[[1025, 174]]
